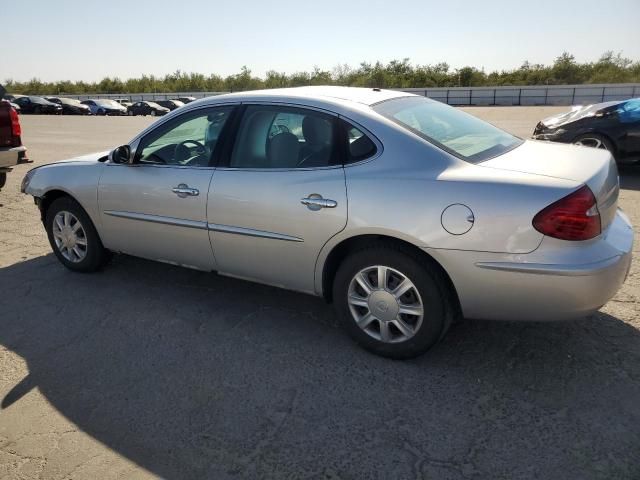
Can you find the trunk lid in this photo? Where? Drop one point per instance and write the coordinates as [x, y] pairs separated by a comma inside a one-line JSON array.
[[590, 166]]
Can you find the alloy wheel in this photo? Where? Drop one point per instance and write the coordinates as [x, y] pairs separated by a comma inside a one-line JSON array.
[[592, 142], [69, 236], [385, 304]]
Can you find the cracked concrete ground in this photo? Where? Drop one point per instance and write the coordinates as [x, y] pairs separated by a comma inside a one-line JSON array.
[[147, 370]]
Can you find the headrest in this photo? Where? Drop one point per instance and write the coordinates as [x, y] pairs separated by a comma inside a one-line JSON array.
[[316, 130], [283, 150]]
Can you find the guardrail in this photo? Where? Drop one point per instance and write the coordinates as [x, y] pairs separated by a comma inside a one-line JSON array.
[[530, 95], [462, 96]]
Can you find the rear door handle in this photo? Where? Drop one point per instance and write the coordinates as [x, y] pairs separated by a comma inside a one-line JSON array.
[[316, 202], [183, 190]]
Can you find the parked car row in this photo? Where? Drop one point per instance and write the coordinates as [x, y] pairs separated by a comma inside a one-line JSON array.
[[98, 106]]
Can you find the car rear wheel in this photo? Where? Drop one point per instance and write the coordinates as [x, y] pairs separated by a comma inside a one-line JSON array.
[[130, 113], [3, 179], [594, 140], [37, 110], [73, 237], [392, 303], [101, 112], [153, 113]]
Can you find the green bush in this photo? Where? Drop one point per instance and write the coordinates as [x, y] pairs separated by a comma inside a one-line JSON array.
[[610, 68]]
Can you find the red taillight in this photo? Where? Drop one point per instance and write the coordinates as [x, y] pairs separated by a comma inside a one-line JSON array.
[[15, 122], [574, 217]]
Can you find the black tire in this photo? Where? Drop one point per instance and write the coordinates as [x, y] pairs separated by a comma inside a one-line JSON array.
[[432, 286], [3, 179], [96, 255], [36, 110], [101, 112], [593, 138]]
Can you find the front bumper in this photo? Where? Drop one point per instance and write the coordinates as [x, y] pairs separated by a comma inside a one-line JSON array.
[[559, 281]]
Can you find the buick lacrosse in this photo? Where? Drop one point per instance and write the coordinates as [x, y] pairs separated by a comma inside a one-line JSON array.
[[404, 212]]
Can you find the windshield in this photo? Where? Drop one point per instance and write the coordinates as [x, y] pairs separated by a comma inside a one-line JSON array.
[[454, 131], [153, 104]]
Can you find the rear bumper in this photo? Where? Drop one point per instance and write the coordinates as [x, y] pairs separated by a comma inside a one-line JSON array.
[[540, 286], [10, 157]]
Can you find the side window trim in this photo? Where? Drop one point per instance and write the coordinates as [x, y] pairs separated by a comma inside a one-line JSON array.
[[224, 160], [345, 122], [171, 123]]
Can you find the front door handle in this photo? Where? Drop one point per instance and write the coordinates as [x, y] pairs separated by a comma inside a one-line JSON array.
[[316, 202], [183, 191]]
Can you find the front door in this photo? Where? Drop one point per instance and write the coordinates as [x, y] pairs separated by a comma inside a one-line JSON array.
[[278, 197], [156, 207]]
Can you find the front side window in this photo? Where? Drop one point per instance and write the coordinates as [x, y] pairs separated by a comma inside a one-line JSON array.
[[454, 131], [284, 137], [188, 140]]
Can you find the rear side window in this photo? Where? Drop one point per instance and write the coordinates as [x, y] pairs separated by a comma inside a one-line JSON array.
[[284, 137], [360, 146]]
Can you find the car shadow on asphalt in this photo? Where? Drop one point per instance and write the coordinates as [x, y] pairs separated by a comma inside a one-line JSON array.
[[193, 375]]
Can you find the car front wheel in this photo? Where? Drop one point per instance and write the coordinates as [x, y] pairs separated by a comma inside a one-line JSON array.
[[392, 303], [595, 141], [73, 237]]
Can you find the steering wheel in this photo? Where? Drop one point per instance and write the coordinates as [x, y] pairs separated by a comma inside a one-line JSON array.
[[182, 152]]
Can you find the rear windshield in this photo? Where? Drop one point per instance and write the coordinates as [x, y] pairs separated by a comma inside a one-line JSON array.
[[453, 130]]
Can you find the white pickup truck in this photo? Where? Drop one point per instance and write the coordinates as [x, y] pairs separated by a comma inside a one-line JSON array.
[[12, 152]]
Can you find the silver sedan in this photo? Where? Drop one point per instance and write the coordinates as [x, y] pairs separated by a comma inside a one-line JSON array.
[[402, 211]]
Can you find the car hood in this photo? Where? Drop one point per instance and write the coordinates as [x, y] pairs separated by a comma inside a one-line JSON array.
[[576, 113], [88, 158]]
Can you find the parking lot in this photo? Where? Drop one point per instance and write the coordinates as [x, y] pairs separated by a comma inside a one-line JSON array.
[[147, 370]]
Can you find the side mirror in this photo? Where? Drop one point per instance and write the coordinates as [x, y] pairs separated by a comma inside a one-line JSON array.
[[122, 154]]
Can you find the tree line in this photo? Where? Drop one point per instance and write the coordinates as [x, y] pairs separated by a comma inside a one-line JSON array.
[[609, 68]]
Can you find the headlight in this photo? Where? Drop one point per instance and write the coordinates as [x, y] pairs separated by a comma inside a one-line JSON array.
[[550, 135], [26, 180]]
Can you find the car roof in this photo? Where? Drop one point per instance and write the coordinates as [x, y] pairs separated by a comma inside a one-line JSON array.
[[365, 96]]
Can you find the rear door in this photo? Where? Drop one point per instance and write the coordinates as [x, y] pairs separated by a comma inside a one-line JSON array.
[[278, 196]]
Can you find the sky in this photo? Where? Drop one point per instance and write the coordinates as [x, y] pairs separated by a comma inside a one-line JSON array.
[[89, 40]]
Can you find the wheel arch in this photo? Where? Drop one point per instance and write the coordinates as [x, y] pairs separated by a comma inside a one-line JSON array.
[[351, 244], [45, 201]]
